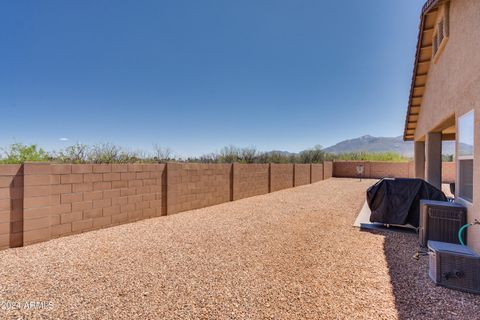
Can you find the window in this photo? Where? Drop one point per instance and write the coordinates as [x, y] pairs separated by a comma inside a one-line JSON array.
[[466, 179], [441, 33], [465, 156]]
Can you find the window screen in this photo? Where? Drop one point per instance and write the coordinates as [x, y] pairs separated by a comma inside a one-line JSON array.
[[466, 179]]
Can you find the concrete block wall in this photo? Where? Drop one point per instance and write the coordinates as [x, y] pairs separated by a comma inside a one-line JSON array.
[[301, 174], [327, 169], [316, 172], [38, 202], [250, 180], [385, 169], [61, 200], [449, 172], [195, 185], [11, 206], [411, 169], [42, 201], [390, 169], [281, 176], [347, 169]]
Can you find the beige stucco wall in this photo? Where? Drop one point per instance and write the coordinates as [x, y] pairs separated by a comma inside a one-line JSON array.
[[453, 87]]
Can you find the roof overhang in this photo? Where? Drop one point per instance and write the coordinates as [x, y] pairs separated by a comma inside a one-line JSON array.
[[423, 59]]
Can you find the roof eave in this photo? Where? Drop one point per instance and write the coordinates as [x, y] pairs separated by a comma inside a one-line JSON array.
[[427, 7]]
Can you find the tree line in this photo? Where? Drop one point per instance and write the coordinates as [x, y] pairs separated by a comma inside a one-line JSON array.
[[111, 153]]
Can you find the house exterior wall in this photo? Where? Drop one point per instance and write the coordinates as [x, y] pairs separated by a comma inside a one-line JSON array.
[[453, 88], [453, 81]]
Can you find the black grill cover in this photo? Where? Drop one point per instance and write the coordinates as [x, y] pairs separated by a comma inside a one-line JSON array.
[[397, 201]]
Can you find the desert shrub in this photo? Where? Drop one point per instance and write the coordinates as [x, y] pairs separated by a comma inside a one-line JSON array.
[[161, 154], [448, 158], [232, 154], [110, 153], [100, 153], [372, 156], [104, 153], [274, 157], [207, 158], [77, 153], [20, 153], [248, 155], [314, 155], [262, 157], [229, 154], [132, 157]]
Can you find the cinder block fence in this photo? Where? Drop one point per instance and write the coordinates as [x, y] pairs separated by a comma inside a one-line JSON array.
[[382, 169], [42, 201]]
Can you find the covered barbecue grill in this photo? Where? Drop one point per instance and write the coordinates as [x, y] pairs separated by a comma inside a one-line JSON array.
[[397, 201]]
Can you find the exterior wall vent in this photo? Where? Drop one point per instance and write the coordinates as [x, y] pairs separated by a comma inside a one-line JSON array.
[[442, 31]]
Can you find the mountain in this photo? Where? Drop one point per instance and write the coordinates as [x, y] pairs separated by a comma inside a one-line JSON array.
[[282, 153], [382, 144], [373, 144]]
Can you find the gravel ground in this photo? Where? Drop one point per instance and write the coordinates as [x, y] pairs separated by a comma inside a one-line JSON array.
[[292, 254]]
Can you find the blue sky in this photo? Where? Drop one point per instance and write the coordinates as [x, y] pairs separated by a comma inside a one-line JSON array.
[[198, 75]]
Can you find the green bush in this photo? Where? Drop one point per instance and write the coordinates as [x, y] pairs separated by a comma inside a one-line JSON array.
[[448, 158], [77, 153], [273, 157], [314, 155], [110, 153], [232, 154], [229, 154], [20, 153], [372, 156]]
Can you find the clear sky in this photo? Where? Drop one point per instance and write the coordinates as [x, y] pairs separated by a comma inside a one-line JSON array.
[[198, 75]]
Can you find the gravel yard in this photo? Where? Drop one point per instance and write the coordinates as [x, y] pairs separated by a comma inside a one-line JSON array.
[[292, 254]]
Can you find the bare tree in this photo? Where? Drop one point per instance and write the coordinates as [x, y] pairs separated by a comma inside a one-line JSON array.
[[77, 153], [209, 158], [162, 154], [229, 154], [249, 154], [105, 153]]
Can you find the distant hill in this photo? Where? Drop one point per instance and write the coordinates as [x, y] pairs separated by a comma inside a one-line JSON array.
[[282, 153], [382, 144]]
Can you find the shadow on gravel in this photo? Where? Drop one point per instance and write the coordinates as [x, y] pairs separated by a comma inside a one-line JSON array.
[[416, 297]]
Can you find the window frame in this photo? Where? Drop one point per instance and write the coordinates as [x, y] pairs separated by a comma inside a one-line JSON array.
[[461, 158]]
